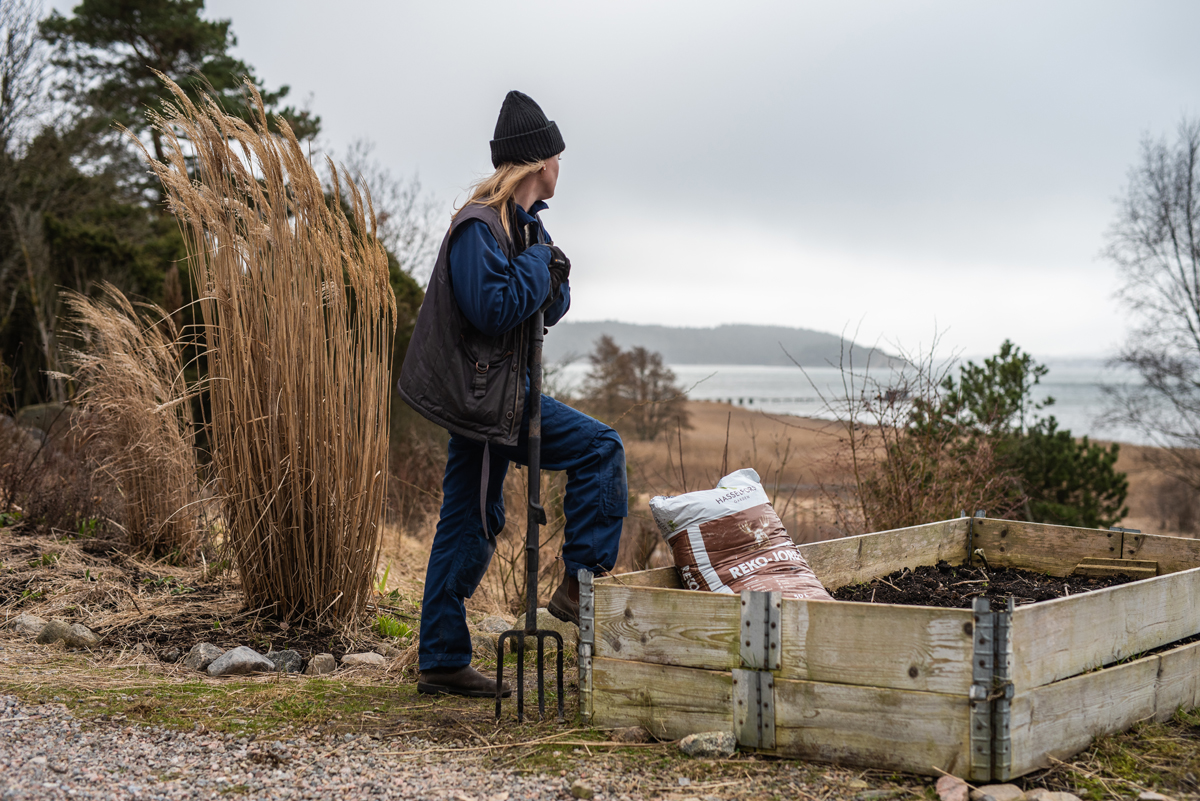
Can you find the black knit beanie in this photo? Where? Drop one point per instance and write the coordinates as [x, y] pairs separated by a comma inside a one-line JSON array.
[[523, 134]]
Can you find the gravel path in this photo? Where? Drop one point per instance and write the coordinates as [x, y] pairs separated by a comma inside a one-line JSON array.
[[46, 753]]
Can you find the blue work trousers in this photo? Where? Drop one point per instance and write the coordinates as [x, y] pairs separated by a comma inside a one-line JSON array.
[[597, 500]]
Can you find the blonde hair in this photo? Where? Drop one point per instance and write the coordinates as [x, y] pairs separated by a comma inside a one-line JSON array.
[[497, 190]]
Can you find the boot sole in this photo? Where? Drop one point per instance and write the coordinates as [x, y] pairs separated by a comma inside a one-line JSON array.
[[426, 688], [563, 615]]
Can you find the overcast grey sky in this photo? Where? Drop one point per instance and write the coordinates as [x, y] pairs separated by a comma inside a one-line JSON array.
[[898, 166]]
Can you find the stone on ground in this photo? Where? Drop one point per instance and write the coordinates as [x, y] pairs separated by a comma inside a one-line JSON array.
[[545, 620], [1150, 795], [581, 790], [171, 656], [202, 655], [288, 661], [320, 664], [371, 659], [483, 643], [631, 734], [709, 744], [494, 624], [388, 651], [238, 661], [998, 792], [1060, 796], [952, 788], [82, 637], [72, 635], [28, 625]]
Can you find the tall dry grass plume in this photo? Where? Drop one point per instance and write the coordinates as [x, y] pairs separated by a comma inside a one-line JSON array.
[[298, 319], [135, 419]]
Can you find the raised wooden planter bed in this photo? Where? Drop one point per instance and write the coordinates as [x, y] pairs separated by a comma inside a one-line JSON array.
[[980, 694]]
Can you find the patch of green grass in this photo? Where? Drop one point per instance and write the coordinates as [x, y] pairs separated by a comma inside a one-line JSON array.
[[388, 626]]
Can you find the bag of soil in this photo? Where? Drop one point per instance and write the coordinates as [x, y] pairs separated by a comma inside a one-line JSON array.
[[729, 539]]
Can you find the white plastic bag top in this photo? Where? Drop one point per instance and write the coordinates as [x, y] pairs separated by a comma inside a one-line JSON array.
[[737, 491]]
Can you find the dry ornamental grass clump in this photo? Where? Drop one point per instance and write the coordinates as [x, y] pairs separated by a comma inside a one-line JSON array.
[[297, 319], [136, 419]]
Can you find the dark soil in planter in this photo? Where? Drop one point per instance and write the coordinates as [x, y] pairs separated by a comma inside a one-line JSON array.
[[956, 587]]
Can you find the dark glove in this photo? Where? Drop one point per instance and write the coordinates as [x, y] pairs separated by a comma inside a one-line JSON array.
[[560, 270]]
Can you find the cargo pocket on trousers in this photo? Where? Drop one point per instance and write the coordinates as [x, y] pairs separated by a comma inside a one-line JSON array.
[[473, 565], [616, 490]]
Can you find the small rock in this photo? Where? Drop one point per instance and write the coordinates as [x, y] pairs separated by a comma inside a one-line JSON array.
[[38, 760], [240, 660], [371, 659], [952, 788], [999, 792], [171, 656], [202, 655], [581, 790], [1150, 795], [388, 651], [1057, 797], [484, 644], [1035, 793], [54, 631], [320, 664], [857, 784], [288, 661], [28, 625], [709, 744], [545, 620], [82, 637], [631, 734], [494, 624]]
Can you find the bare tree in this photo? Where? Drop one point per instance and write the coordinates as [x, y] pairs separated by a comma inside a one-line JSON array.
[[408, 218], [1155, 243], [633, 389], [22, 69]]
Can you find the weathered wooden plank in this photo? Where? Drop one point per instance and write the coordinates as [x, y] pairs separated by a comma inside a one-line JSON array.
[[1178, 681], [856, 560], [1055, 550], [878, 645], [872, 727], [671, 702], [668, 627], [1058, 639], [1061, 719], [1173, 554], [664, 577]]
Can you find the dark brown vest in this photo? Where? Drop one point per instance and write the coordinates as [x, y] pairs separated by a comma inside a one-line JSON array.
[[453, 374]]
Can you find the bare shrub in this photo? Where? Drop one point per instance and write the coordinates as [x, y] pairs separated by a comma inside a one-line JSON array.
[[907, 466], [298, 319], [1176, 505], [135, 419]]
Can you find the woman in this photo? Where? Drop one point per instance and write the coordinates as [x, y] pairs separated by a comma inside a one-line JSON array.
[[467, 370]]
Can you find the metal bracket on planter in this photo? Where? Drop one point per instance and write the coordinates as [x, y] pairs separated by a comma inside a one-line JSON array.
[[761, 641], [587, 642], [982, 670], [754, 708], [1002, 694], [991, 693]]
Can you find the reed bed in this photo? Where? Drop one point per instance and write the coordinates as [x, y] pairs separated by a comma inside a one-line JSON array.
[[136, 420], [297, 318]]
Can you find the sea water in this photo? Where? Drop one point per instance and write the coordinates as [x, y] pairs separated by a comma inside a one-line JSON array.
[[1076, 385]]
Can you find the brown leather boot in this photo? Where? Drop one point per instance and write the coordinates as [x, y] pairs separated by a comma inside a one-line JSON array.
[[564, 604], [464, 680]]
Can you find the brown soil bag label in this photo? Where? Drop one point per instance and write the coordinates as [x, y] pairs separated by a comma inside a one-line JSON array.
[[730, 539]]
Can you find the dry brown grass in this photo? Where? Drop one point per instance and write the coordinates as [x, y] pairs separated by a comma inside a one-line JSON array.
[[135, 419], [298, 319]]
